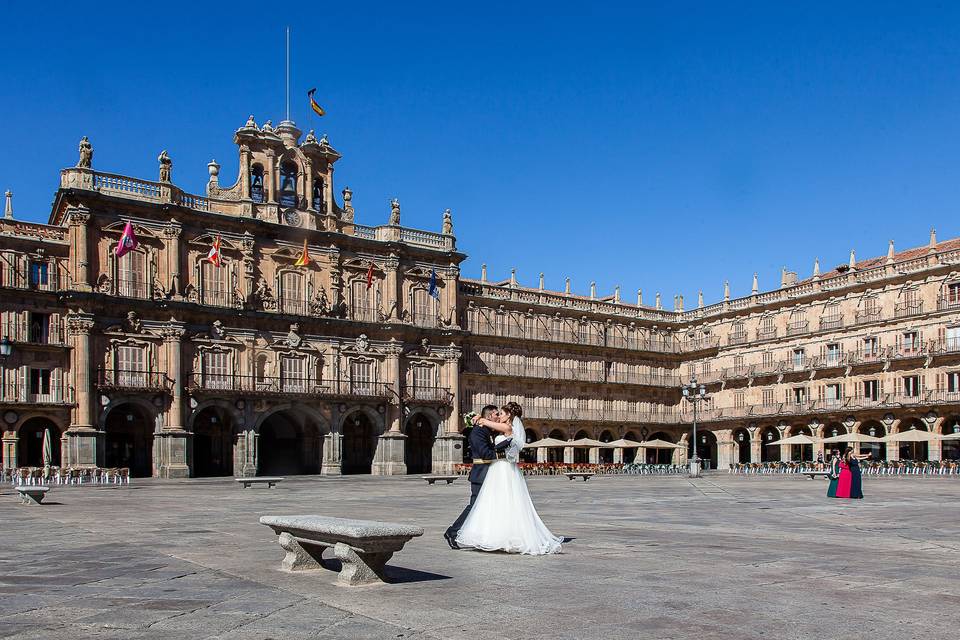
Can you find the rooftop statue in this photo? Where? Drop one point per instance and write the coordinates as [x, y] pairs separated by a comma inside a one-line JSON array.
[[395, 212], [165, 165], [86, 154]]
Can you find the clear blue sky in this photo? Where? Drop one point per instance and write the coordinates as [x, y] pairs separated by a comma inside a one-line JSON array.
[[665, 146]]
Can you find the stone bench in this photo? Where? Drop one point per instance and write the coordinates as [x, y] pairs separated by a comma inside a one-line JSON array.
[[270, 482], [362, 546], [32, 494], [433, 479], [815, 474], [586, 475]]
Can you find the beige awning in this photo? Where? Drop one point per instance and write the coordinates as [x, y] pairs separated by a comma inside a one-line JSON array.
[[546, 443], [659, 444], [911, 435], [851, 437], [952, 436], [587, 442], [797, 439], [624, 444]]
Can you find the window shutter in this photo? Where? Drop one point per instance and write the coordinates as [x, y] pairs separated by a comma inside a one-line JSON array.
[[920, 386], [898, 386], [821, 392], [940, 381]]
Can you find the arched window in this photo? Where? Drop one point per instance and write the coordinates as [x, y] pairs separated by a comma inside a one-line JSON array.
[[318, 194], [288, 184], [256, 183]]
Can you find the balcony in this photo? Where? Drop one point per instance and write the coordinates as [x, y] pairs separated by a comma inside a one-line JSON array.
[[40, 394], [766, 333], [136, 288], [797, 328], [737, 338], [866, 316], [700, 344], [512, 330], [427, 395], [224, 299], [362, 313], [947, 345], [133, 380], [38, 333], [945, 303], [36, 277], [734, 373], [864, 357], [831, 322], [429, 320], [908, 308], [666, 416], [832, 360], [233, 384], [909, 351]]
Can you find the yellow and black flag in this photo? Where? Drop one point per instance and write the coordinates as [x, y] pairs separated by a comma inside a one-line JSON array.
[[317, 109]]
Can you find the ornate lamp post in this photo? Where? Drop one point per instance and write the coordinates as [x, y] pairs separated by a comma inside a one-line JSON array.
[[695, 393]]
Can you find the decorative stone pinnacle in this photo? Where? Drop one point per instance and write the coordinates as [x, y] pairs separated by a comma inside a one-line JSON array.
[[483, 272], [566, 288], [639, 297], [816, 267], [700, 299], [756, 285], [726, 289], [933, 239], [541, 281], [513, 277], [658, 305], [593, 290], [890, 253], [8, 205], [853, 259]]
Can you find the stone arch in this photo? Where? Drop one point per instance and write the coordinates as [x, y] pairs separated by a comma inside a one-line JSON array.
[[801, 452], [555, 454], [421, 428], [950, 449], [581, 455], [360, 428], [706, 448], [605, 456], [129, 425], [769, 453], [661, 456], [30, 436], [742, 441], [215, 425], [290, 441], [876, 429], [630, 453], [527, 454], [913, 450]]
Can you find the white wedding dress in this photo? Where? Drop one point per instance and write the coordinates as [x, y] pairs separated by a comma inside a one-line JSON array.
[[503, 517]]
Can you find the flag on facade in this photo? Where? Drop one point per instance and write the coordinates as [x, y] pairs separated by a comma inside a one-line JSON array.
[[317, 109], [370, 276], [433, 291], [304, 258], [128, 241], [213, 257]]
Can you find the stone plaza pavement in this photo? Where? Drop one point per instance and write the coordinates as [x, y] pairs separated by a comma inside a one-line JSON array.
[[721, 557]]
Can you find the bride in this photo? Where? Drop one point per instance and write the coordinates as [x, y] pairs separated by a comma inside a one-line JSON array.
[[503, 517]]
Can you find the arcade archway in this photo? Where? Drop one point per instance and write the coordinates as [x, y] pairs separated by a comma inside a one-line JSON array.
[[289, 444], [359, 444], [128, 439], [420, 430], [213, 440], [30, 442]]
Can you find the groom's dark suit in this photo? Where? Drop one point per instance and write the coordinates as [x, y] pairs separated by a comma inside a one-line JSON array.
[[484, 452]]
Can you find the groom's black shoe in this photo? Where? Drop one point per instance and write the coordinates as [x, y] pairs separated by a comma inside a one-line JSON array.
[[451, 540]]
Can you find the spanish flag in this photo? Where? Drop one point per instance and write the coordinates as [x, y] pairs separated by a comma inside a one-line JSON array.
[[304, 258], [370, 276], [317, 109], [213, 257]]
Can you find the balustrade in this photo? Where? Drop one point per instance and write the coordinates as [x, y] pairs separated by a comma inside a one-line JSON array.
[[47, 393], [134, 380]]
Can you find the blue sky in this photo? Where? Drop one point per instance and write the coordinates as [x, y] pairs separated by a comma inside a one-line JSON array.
[[663, 146]]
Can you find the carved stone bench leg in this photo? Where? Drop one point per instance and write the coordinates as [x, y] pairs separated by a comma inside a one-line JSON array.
[[360, 568], [299, 557]]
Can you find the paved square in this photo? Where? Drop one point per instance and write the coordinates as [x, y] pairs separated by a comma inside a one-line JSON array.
[[722, 557]]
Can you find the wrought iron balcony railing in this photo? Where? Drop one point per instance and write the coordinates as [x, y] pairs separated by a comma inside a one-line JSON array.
[[908, 308], [796, 328], [831, 322], [214, 383], [866, 316], [48, 393], [766, 333], [427, 395], [133, 380], [737, 338], [948, 302], [33, 278], [41, 332]]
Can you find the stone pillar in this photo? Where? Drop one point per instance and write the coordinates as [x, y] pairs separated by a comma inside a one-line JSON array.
[[244, 172], [756, 448], [593, 455], [389, 459], [9, 450], [725, 449], [893, 448], [171, 442], [85, 442], [448, 447], [785, 451], [245, 453], [172, 235], [568, 455], [394, 305], [79, 218], [542, 454], [618, 455], [935, 447], [332, 455]]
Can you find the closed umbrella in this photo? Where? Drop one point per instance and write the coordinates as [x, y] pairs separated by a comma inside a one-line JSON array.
[[659, 444], [912, 435], [851, 437], [47, 448], [797, 439]]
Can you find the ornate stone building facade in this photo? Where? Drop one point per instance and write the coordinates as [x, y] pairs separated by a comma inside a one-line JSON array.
[[311, 343]]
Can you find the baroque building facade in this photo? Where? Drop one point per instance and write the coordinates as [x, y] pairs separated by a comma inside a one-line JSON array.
[[316, 344]]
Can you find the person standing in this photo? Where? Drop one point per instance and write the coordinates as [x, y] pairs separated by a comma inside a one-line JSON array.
[[849, 485], [834, 473]]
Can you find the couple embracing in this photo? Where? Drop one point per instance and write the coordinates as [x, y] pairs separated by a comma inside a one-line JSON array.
[[500, 516]]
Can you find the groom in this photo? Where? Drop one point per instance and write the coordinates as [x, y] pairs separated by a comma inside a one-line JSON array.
[[484, 452]]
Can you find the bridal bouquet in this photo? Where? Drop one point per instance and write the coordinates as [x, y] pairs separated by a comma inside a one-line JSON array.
[[468, 419]]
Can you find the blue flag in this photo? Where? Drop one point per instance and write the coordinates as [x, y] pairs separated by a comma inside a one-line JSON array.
[[433, 291]]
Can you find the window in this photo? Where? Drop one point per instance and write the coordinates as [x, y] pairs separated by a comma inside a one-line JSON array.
[[768, 397], [583, 333], [767, 360], [911, 386], [738, 362], [953, 293], [953, 338], [256, 183], [39, 383], [288, 184], [870, 306], [423, 377], [767, 327], [833, 394], [833, 354], [216, 370], [132, 275], [953, 381], [738, 332], [739, 400], [910, 342], [215, 285], [871, 347], [39, 328], [361, 307], [798, 358], [261, 368], [423, 310], [131, 366], [799, 395], [39, 275], [871, 390], [318, 194], [293, 375], [291, 292], [361, 376], [705, 368]]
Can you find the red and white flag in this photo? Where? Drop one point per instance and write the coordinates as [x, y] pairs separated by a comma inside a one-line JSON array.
[[128, 241], [370, 276], [213, 257]]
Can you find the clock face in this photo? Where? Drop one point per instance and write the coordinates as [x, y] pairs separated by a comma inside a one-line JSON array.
[[292, 217]]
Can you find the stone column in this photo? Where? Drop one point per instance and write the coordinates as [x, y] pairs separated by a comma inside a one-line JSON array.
[[389, 459], [568, 455], [171, 442], [725, 449], [393, 302], [935, 447], [172, 236], [79, 218], [756, 448], [593, 455], [542, 454], [332, 455], [893, 448], [10, 450], [85, 440], [245, 172], [618, 455], [448, 447]]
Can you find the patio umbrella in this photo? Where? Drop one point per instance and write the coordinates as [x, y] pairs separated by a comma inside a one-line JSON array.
[[547, 442], [912, 435], [587, 442], [47, 448], [625, 444], [851, 437], [952, 436], [797, 439], [659, 444]]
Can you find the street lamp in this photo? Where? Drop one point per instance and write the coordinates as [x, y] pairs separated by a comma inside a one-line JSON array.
[[6, 347], [695, 393]]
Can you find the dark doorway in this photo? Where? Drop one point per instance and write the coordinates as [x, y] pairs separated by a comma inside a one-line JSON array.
[[212, 443], [287, 447], [30, 443], [742, 441], [606, 455], [555, 454], [630, 454], [129, 440], [358, 445], [768, 452], [418, 452], [706, 449], [660, 456], [581, 455]]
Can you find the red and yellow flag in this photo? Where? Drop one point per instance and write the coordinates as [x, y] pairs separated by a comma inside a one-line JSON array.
[[213, 257], [370, 276], [317, 109], [304, 258]]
